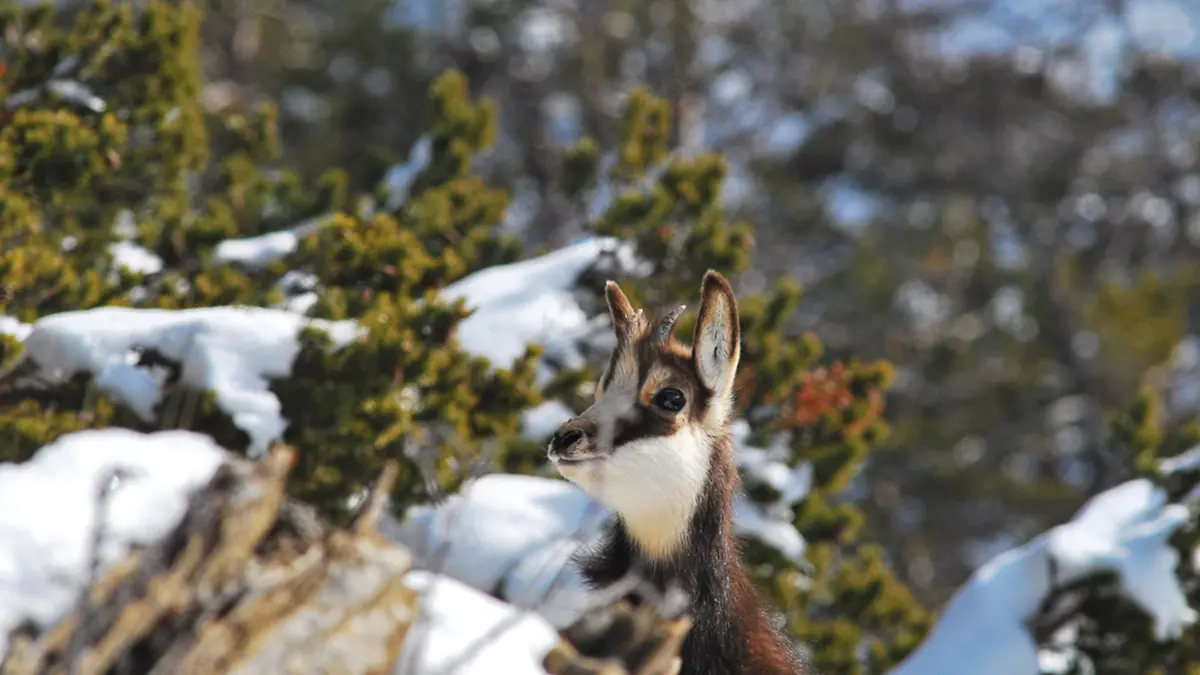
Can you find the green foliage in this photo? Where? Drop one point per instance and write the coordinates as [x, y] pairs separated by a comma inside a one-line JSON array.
[[404, 390], [1114, 635], [66, 164], [187, 178], [669, 206]]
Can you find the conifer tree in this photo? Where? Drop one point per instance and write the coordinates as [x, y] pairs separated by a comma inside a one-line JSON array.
[[102, 140], [136, 147], [670, 207]]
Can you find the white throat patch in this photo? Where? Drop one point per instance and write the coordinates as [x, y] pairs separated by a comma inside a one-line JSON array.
[[653, 483]]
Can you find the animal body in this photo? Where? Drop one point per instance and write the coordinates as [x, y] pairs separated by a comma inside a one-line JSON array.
[[656, 448]]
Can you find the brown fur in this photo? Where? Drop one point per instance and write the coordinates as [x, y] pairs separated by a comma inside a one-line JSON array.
[[732, 633]]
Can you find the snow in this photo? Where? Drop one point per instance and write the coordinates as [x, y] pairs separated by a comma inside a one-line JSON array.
[[235, 351], [770, 466], [481, 535], [548, 582], [1124, 530], [399, 178], [232, 351], [15, 328], [65, 89], [465, 632], [540, 421], [771, 523], [772, 530], [514, 534], [135, 258], [298, 290], [1185, 462], [48, 511], [255, 252], [531, 302]]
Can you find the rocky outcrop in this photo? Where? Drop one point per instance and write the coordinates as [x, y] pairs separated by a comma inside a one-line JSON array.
[[251, 583]]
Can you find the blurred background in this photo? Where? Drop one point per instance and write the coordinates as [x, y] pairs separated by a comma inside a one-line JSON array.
[[1000, 197]]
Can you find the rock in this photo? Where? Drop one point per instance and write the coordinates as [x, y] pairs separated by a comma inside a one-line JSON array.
[[252, 583], [622, 639], [247, 583]]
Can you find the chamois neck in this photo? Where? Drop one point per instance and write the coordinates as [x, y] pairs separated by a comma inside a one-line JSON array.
[[731, 631]]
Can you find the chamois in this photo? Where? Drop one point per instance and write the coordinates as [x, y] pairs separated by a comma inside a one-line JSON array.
[[656, 447]]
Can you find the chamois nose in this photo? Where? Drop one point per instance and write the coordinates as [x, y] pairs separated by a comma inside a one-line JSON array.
[[564, 438]]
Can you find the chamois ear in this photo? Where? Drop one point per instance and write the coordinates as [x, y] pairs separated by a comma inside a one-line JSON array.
[[717, 344]]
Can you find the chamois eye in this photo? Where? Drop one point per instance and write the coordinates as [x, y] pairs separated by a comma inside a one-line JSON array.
[[670, 399]]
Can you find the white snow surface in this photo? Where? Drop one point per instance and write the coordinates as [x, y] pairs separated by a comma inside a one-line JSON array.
[[530, 301], [507, 535], [235, 351], [399, 178], [480, 534], [135, 258], [263, 249], [464, 632], [513, 535], [1185, 462], [15, 328], [259, 251], [48, 511], [540, 421], [771, 523], [232, 351], [982, 630]]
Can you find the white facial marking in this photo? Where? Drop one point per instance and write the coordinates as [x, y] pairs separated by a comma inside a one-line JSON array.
[[653, 483]]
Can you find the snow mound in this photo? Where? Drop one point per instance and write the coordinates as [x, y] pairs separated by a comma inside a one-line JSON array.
[[1185, 462], [48, 513], [514, 535], [236, 351], [1124, 530], [465, 632], [232, 351], [482, 535], [135, 258], [255, 252], [540, 421], [17, 329], [48, 510], [771, 523], [532, 301]]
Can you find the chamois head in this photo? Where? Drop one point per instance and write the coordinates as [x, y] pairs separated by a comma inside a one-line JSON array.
[[644, 448]]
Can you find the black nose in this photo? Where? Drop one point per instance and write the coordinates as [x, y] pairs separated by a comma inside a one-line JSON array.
[[563, 439]]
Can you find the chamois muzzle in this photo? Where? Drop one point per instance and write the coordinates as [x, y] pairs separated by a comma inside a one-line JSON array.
[[572, 438]]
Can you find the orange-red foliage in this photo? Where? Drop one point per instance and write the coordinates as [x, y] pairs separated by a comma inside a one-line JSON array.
[[827, 391]]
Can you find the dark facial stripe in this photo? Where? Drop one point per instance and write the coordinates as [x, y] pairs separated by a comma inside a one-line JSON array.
[[643, 423]]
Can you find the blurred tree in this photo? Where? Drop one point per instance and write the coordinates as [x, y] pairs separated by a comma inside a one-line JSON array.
[[1022, 254], [1008, 222], [126, 152], [1012, 229], [349, 77], [1092, 623], [850, 612]]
